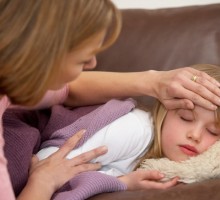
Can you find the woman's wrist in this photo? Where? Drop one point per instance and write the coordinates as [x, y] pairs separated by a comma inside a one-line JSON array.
[[36, 190], [148, 83]]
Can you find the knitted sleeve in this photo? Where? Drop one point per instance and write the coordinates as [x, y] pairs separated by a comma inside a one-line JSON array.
[[88, 184], [5, 185]]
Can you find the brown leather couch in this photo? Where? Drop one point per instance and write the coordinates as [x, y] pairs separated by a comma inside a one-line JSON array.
[[164, 39]]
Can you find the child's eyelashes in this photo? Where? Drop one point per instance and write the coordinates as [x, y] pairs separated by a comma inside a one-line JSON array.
[[186, 115], [186, 119], [213, 132]]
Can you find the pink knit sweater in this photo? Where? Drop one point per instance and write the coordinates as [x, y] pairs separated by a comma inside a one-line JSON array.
[[51, 98]]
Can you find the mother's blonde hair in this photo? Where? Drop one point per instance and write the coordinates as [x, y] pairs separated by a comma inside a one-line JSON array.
[[159, 113], [35, 35]]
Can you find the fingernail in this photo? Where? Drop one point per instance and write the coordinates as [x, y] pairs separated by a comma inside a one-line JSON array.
[[82, 131], [104, 149], [161, 175], [213, 107], [190, 106], [98, 164]]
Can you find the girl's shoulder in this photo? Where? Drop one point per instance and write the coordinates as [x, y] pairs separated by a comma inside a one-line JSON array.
[[145, 117], [133, 131]]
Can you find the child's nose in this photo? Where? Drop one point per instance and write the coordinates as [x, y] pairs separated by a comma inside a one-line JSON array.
[[195, 134]]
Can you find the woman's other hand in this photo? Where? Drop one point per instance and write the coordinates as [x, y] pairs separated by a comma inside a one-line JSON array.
[[48, 175]]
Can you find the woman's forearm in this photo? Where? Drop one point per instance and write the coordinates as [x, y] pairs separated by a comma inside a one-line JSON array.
[[174, 88], [99, 87]]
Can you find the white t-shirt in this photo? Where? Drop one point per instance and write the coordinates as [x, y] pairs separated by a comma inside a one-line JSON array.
[[127, 139]]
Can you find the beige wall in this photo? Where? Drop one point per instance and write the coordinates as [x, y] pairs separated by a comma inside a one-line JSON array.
[[152, 4]]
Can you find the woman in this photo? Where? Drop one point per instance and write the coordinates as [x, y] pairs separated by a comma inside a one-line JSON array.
[[45, 45]]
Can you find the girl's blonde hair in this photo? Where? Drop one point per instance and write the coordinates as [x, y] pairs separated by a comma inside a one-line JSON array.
[[159, 113], [36, 35]]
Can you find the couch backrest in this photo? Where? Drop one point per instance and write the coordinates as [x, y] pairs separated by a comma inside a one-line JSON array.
[[164, 39]]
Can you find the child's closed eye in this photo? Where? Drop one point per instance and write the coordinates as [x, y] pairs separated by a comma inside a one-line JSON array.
[[187, 119], [215, 133], [186, 115]]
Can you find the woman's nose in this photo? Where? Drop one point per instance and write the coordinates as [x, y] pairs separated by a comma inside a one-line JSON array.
[[91, 64]]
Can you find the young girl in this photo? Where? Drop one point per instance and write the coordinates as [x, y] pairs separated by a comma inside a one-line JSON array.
[[176, 134], [44, 47], [199, 125]]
